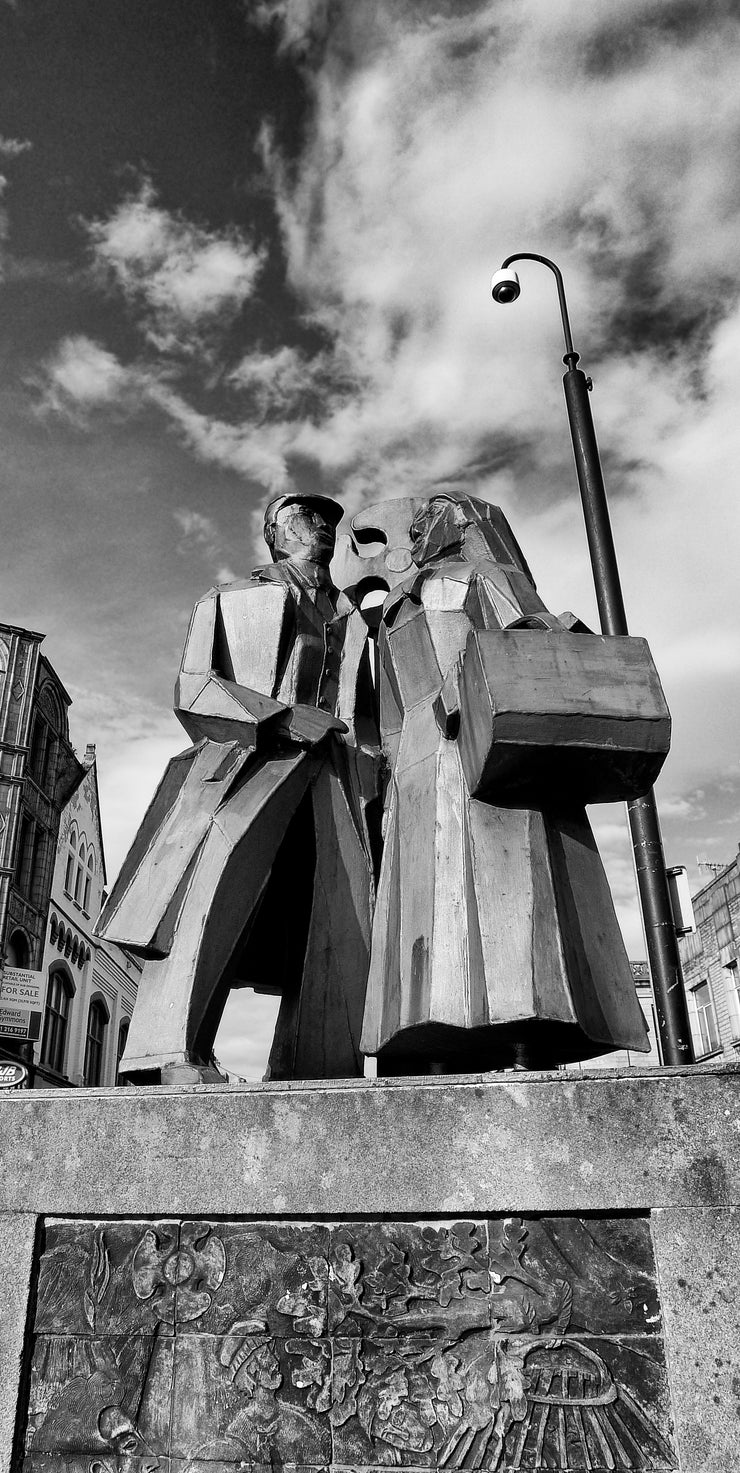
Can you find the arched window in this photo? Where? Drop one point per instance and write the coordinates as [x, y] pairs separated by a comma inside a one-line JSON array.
[[56, 1020], [80, 877], [122, 1040], [40, 740], [89, 872], [4, 660], [70, 872], [97, 1023], [17, 950], [24, 854]]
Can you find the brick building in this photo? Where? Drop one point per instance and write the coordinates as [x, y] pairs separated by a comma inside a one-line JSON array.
[[52, 876], [38, 774], [709, 957]]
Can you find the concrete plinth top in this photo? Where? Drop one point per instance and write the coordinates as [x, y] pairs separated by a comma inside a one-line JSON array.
[[618, 1140]]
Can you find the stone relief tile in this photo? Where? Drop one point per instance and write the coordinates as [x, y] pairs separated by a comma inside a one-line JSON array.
[[502, 1402], [84, 1463], [521, 1343], [415, 1276], [94, 1277], [220, 1465], [236, 1399], [593, 1404], [270, 1275], [383, 1407], [574, 1274], [101, 1398]]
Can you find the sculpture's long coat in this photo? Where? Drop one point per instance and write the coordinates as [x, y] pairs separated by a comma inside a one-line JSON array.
[[197, 893], [495, 938]]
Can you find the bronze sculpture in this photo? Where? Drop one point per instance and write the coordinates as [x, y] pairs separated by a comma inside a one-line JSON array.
[[495, 940], [253, 864]]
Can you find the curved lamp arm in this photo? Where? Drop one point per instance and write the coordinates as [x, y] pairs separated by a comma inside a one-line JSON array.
[[570, 356]]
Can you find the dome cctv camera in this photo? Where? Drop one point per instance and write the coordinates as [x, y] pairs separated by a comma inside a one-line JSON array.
[[505, 286]]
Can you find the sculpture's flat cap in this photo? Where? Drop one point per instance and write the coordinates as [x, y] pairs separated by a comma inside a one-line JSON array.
[[332, 510]]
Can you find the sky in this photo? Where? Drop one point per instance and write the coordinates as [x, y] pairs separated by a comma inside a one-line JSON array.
[[246, 247]]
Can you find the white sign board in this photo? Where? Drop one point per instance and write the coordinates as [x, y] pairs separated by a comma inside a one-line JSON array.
[[21, 1002]]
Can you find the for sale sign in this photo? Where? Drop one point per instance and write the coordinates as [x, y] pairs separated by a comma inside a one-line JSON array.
[[21, 1003]]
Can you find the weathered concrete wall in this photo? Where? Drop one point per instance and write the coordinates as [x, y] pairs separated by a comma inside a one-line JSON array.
[[662, 1143], [525, 1143]]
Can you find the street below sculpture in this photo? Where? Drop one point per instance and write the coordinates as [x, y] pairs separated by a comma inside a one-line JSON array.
[[493, 940]]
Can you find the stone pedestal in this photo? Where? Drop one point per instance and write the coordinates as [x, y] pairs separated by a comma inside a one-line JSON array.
[[524, 1271]]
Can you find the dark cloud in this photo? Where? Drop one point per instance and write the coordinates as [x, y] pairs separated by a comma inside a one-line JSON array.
[[618, 45]]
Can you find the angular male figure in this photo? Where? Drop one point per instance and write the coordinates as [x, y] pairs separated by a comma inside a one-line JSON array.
[[253, 865]]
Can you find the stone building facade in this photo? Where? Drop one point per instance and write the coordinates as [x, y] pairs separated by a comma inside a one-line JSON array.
[[52, 878], [709, 957], [90, 985], [38, 774]]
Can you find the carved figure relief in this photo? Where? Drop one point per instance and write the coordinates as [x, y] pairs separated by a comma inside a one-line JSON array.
[[508, 1343]]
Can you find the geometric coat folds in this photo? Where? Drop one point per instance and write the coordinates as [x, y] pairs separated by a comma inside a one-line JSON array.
[[495, 939], [253, 864]]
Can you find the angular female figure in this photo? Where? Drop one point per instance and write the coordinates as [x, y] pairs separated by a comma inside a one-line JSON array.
[[495, 939]]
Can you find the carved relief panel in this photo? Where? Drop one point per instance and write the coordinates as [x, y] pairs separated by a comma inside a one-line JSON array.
[[197, 1347]]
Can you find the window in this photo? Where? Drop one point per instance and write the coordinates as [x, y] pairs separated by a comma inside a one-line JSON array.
[[122, 1039], [80, 877], [56, 1020], [39, 747], [40, 879], [97, 1022], [23, 855], [732, 987], [17, 951], [705, 1018], [71, 870], [89, 872], [80, 870]]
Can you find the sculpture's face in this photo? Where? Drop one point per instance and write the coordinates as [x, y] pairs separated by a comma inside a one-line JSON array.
[[437, 529], [302, 531]]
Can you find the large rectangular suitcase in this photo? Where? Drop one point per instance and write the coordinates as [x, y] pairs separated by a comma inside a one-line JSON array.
[[549, 716]]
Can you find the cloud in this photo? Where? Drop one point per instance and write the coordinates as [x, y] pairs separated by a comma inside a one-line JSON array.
[[201, 534], [81, 376], [12, 148], [197, 531], [183, 277], [258, 452], [303, 24], [245, 1033], [441, 142]]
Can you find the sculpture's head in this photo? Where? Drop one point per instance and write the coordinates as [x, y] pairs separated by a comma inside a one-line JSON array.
[[302, 528], [453, 524], [438, 529]]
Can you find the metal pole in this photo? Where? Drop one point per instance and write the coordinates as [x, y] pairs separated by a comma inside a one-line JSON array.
[[660, 934]]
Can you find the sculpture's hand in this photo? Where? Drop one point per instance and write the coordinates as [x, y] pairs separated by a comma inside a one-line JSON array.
[[209, 706], [308, 726]]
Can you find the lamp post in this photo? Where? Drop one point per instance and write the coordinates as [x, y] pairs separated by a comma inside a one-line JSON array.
[[665, 965]]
